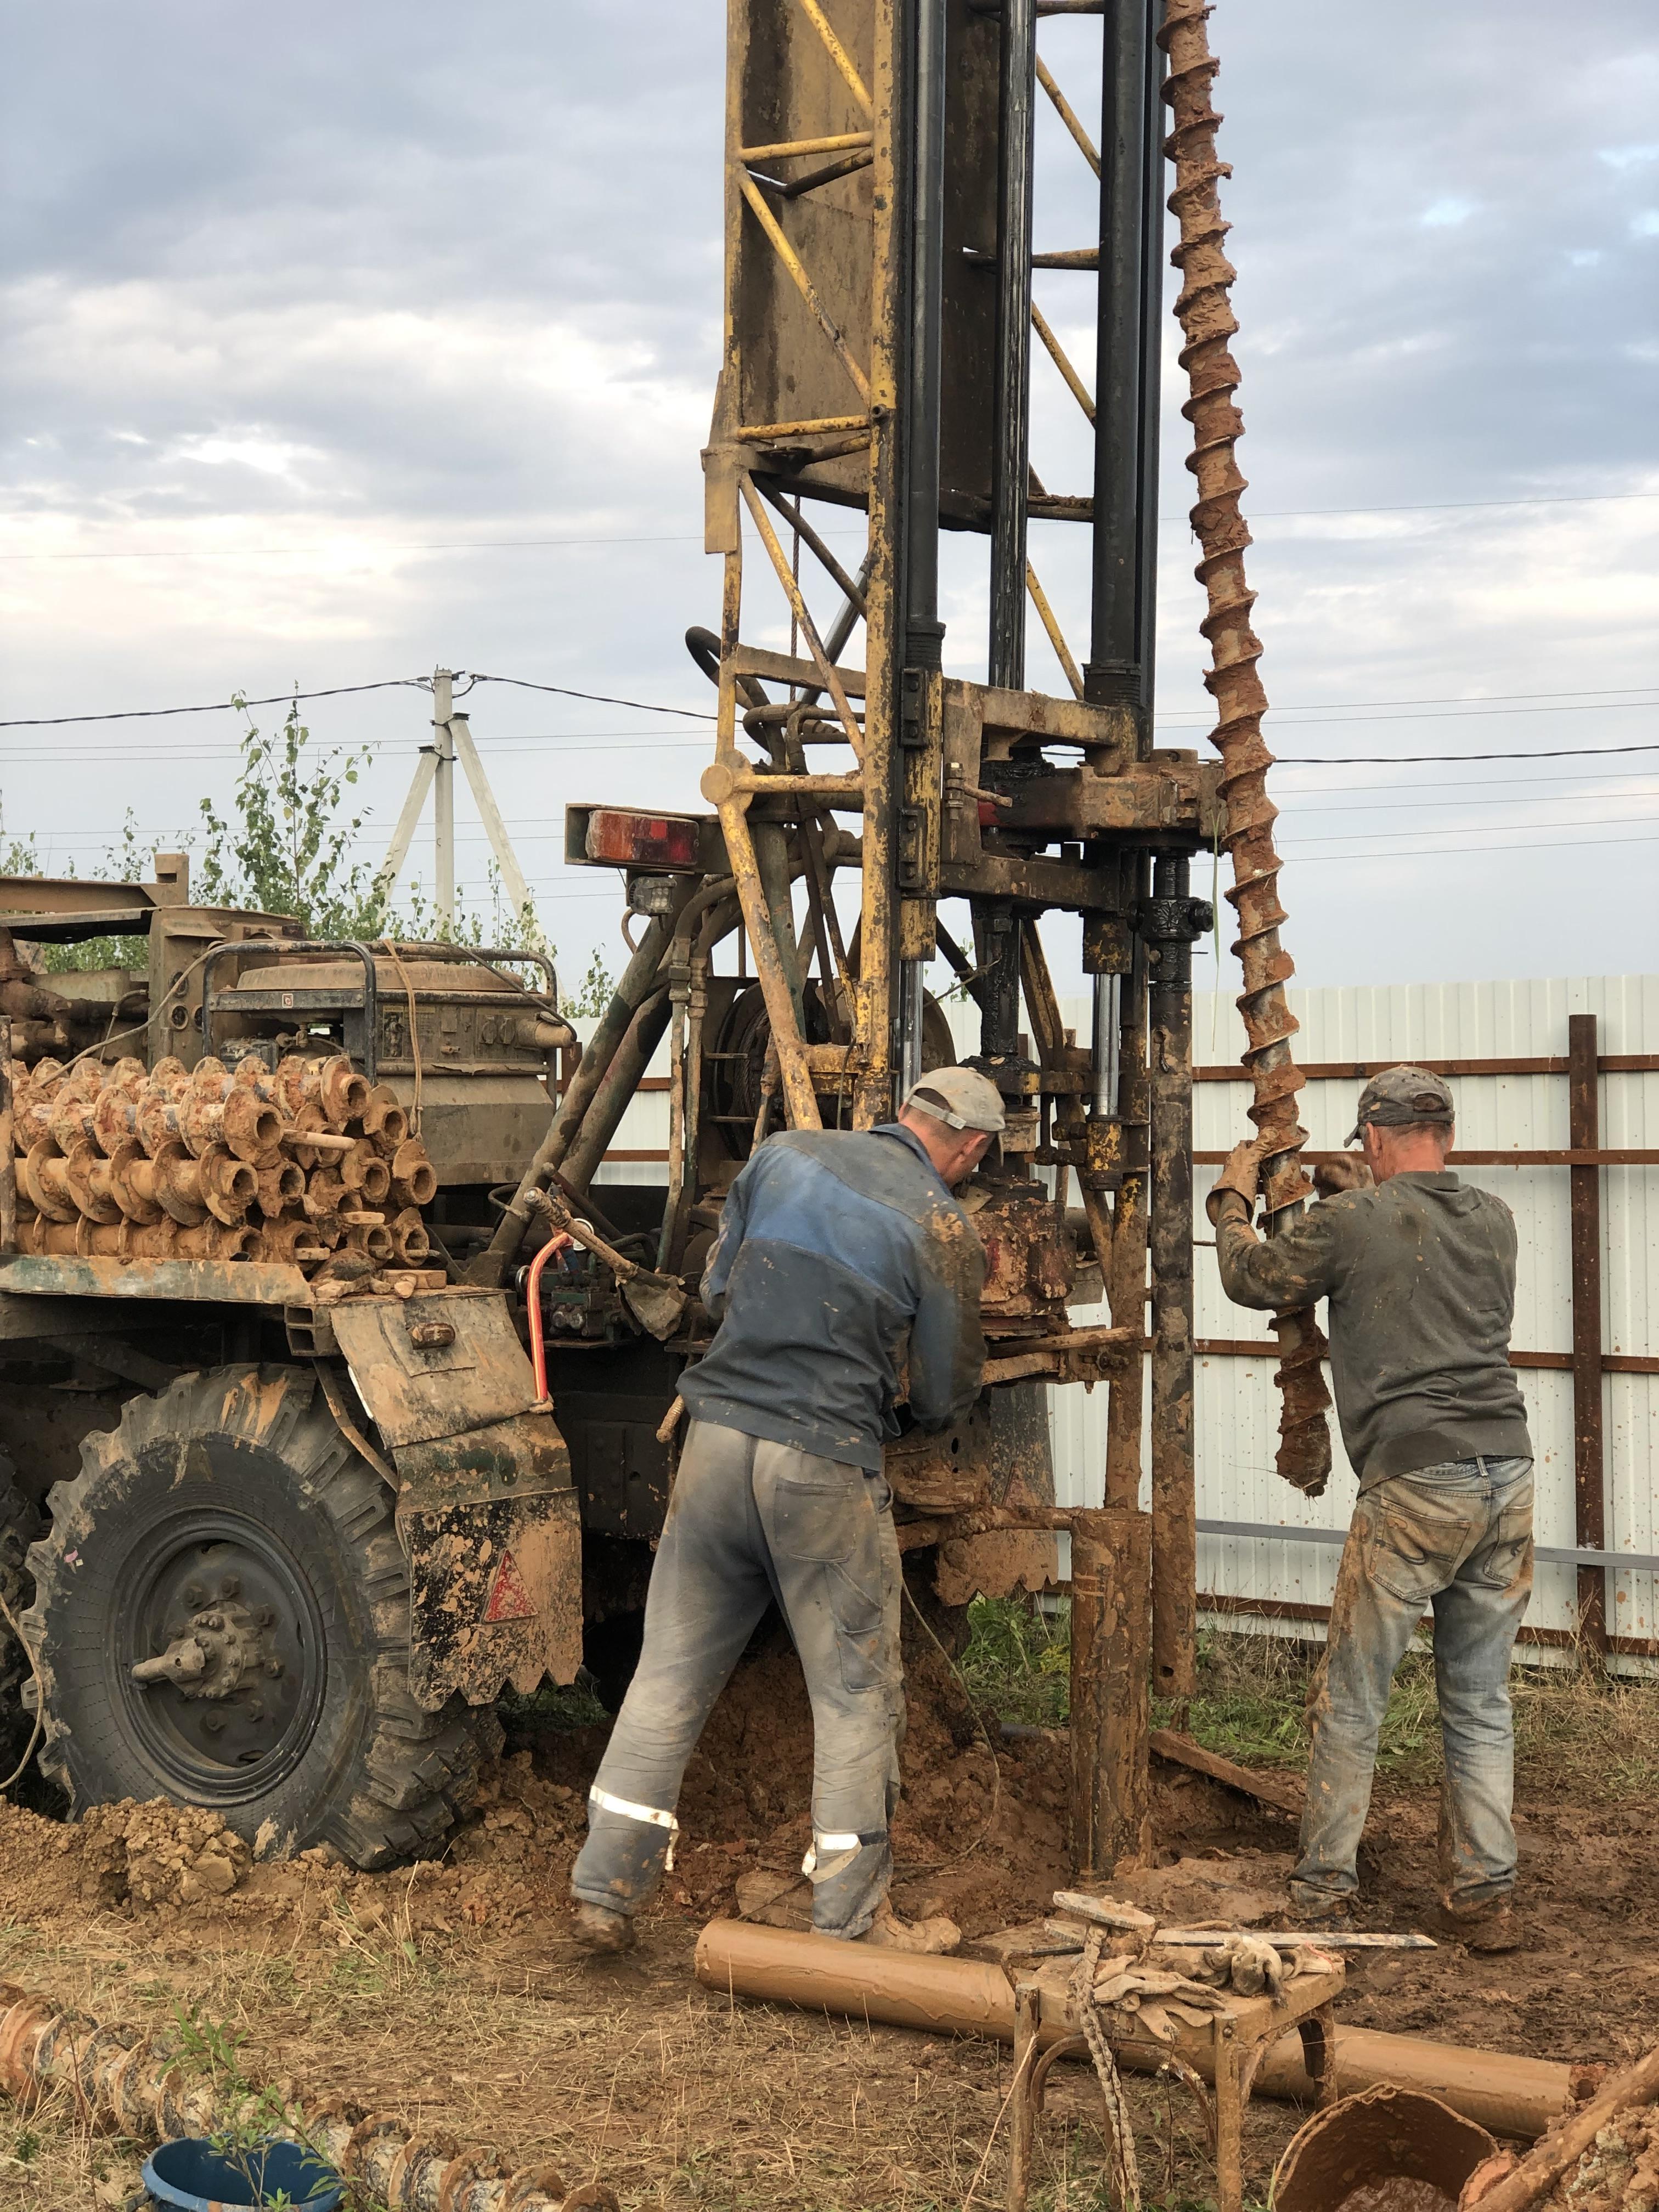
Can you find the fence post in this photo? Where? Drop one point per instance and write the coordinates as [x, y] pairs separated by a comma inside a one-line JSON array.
[[1584, 1135]]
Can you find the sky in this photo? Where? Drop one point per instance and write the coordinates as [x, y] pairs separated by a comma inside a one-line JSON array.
[[344, 343]]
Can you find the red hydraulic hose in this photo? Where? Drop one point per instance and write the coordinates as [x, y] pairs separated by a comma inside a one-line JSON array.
[[532, 1292]]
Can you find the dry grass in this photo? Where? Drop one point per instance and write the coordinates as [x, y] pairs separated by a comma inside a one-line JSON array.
[[678, 2097]]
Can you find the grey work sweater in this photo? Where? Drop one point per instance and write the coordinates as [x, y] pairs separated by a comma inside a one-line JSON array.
[[1420, 1276], [841, 1261]]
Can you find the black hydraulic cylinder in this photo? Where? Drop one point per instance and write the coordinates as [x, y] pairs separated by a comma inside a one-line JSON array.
[[1169, 920], [1119, 671], [923, 629], [1011, 450]]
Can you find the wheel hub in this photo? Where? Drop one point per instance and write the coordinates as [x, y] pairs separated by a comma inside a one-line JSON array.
[[220, 1653], [220, 1650]]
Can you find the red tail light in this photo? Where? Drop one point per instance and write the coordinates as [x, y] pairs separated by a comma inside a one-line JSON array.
[[642, 841]]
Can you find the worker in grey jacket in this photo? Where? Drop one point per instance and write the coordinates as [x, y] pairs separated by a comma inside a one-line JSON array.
[[846, 1278], [1419, 1272]]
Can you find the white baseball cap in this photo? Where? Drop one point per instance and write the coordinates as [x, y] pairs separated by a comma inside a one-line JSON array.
[[961, 1097]]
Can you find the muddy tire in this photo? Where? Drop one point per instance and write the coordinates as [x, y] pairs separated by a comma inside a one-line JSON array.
[[19, 1524], [232, 1503]]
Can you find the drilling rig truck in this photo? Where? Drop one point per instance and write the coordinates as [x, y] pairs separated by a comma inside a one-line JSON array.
[[339, 1396]]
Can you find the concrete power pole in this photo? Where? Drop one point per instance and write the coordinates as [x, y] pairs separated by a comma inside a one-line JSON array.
[[443, 799], [435, 772]]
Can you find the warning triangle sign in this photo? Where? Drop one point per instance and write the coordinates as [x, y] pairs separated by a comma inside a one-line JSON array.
[[509, 1598]]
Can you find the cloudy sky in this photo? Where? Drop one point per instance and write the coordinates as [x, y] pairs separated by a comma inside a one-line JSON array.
[[347, 341]]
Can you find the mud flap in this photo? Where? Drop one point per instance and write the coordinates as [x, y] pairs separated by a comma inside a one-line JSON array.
[[490, 1524], [487, 1513]]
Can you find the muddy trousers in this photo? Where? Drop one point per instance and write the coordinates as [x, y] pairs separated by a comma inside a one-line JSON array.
[[1456, 1537], [750, 1522]]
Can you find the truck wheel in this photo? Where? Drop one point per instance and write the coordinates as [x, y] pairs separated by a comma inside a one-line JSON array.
[[226, 1541], [19, 1522]]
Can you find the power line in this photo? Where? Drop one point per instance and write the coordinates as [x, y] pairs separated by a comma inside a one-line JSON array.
[[692, 537], [1445, 852], [1458, 830], [1413, 760], [599, 698], [218, 706], [391, 683]]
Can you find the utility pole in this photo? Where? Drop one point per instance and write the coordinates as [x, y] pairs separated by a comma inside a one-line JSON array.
[[434, 773], [443, 802]]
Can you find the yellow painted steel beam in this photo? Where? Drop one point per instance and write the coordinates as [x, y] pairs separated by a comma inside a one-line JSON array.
[[1068, 115], [763, 433], [843, 142], [792, 261], [838, 54], [1056, 635], [821, 661], [800, 1101], [1058, 355]]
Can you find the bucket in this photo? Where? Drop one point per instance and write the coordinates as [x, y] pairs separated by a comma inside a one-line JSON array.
[[188, 2175], [1384, 2150]]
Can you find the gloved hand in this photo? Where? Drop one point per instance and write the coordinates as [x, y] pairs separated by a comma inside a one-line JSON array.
[[1350, 1172], [1242, 1174]]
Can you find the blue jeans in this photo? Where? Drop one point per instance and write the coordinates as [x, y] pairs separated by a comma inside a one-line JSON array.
[[749, 1521], [1458, 1537]]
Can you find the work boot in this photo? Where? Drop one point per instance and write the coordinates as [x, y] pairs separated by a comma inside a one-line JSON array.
[[921, 1938], [1489, 1927], [1321, 1913], [604, 1933]]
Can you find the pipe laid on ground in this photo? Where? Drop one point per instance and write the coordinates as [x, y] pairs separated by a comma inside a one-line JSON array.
[[1512, 2096]]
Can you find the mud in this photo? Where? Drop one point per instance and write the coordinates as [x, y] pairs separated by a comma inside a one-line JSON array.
[[1619, 2173]]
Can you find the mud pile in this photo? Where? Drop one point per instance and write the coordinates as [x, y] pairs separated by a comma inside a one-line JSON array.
[[158, 1854], [1619, 2172]]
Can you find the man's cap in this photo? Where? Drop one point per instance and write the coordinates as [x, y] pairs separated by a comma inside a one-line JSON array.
[[961, 1097], [1401, 1095]]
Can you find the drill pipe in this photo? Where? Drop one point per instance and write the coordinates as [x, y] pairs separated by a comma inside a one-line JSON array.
[[123, 2081], [1208, 322]]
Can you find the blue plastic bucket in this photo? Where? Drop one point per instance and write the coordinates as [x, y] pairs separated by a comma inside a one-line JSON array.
[[190, 2176]]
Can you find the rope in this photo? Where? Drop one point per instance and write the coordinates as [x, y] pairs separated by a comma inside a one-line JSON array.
[[1126, 2172], [17, 1772], [414, 1033]]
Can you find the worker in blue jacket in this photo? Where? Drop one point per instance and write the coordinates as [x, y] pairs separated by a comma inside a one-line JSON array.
[[846, 1278]]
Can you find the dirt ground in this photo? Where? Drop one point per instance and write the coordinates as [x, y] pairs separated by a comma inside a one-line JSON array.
[[450, 1994]]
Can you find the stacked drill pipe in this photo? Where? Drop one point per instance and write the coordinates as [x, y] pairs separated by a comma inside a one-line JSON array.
[[1208, 322], [125, 1161], [121, 2082]]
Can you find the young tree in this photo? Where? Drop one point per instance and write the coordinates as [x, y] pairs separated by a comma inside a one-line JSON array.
[[288, 849]]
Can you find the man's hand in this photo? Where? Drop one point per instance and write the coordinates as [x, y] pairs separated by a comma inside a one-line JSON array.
[[1242, 1176], [1349, 1172]]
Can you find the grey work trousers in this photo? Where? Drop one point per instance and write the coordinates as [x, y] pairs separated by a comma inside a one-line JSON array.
[[1458, 1537], [750, 1521]]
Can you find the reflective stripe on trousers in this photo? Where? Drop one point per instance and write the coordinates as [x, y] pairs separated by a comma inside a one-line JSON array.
[[750, 1522]]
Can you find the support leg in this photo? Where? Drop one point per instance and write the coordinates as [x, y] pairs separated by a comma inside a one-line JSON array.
[[1229, 2122], [1027, 2018]]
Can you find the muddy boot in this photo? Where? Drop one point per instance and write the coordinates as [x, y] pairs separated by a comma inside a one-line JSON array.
[[1490, 1927], [602, 1932], [1314, 1913], [925, 1938]]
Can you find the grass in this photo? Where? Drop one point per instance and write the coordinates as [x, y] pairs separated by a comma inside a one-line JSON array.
[[1570, 1723]]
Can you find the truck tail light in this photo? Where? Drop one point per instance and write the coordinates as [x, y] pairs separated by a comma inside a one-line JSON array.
[[642, 841]]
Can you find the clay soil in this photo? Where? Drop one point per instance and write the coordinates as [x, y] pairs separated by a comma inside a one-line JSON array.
[[451, 1995]]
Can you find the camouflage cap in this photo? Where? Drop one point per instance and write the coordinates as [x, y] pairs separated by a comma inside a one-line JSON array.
[[961, 1097], [1403, 1094]]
